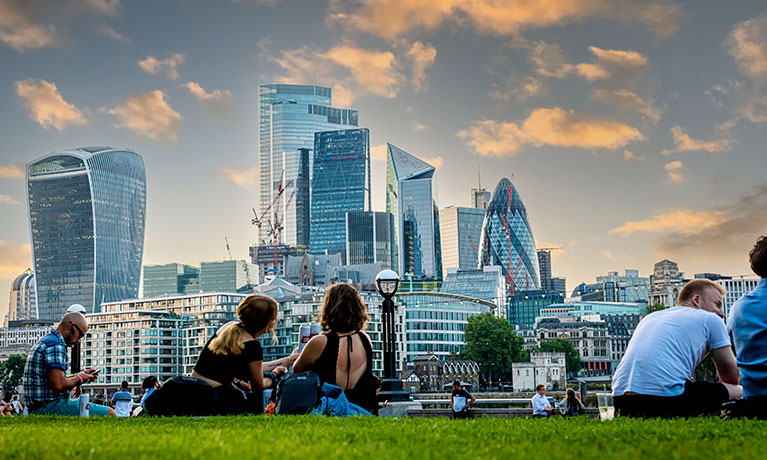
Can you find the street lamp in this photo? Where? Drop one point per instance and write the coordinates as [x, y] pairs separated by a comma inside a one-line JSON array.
[[387, 282], [75, 359]]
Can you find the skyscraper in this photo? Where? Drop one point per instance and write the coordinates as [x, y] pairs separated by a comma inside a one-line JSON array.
[[544, 263], [23, 301], [409, 198], [370, 239], [288, 117], [87, 216], [170, 279], [340, 183], [228, 276], [507, 239], [460, 232]]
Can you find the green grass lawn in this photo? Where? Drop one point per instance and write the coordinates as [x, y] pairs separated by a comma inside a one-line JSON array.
[[373, 438]]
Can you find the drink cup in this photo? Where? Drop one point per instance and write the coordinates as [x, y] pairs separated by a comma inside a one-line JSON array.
[[85, 405]]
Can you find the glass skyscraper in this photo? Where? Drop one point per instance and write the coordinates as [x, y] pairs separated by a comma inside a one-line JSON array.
[[409, 198], [228, 276], [289, 115], [170, 279], [460, 231], [87, 216], [340, 183], [370, 239], [23, 300], [507, 239]]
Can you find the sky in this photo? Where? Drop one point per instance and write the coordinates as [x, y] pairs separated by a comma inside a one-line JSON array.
[[634, 130]]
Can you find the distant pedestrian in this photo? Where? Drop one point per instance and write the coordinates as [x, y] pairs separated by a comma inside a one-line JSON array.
[[541, 405], [460, 400], [123, 400], [571, 405], [18, 407]]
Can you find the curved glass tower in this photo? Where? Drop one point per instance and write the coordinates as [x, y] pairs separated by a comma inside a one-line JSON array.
[[507, 239], [86, 216], [23, 303]]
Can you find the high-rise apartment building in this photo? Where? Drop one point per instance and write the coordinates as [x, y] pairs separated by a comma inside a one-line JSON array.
[[289, 115], [736, 288], [87, 216], [340, 184], [23, 301], [409, 198], [460, 232], [544, 264], [228, 276], [170, 279], [370, 239]]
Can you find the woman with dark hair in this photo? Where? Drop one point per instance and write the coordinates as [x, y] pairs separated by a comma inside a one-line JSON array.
[[571, 405], [149, 384], [342, 355], [233, 353]]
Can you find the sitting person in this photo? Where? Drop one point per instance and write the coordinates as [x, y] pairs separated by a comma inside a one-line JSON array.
[[123, 400], [460, 400], [653, 378], [342, 354], [234, 353], [541, 405], [571, 405], [46, 385], [149, 384]]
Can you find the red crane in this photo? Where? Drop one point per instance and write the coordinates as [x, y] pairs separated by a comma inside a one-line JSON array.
[[474, 250]]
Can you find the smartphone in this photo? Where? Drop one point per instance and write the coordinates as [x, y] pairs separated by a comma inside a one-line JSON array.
[[97, 371]]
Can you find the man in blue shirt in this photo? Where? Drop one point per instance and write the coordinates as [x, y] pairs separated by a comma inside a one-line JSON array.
[[46, 385], [748, 327], [123, 400]]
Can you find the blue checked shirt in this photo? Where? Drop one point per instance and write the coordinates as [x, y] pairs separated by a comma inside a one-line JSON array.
[[49, 353]]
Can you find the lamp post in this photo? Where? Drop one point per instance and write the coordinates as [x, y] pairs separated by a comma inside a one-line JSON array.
[[387, 282]]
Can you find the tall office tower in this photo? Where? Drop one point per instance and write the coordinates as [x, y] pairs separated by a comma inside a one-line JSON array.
[[507, 239], [340, 183], [23, 301], [228, 276], [559, 286], [370, 239], [170, 279], [87, 212], [409, 199], [480, 198], [544, 263], [288, 117], [460, 232]]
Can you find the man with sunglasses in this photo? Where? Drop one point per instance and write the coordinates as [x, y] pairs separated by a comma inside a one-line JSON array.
[[46, 385]]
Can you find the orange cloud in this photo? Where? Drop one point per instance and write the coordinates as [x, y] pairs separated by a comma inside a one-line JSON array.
[[243, 178], [165, 67], [14, 259], [45, 105], [592, 71], [421, 57], [521, 91], [218, 100], [555, 126], [148, 115], [418, 127], [12, 172], [684, 143], [434, 161], [686, 222], [674, 173], [627, 59], [379, 152], [372, 70], [628, 100], [747, 44]]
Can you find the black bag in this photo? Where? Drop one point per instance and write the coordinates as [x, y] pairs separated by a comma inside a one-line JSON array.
[[182, 395], [298, 394], [753, 407]]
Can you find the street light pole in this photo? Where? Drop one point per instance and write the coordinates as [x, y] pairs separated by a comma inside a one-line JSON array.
[[392, 389]]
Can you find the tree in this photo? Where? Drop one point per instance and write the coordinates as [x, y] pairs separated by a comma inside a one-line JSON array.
[[572, 355], [655, 307], [492, 343], [11, 373]]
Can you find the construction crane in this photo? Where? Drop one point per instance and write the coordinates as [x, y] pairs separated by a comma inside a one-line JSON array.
[[275, 230], [228, 250], [473, 250], [258, 221], [554, 248]]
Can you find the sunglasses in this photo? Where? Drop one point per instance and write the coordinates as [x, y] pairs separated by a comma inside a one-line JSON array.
[[82, 334]]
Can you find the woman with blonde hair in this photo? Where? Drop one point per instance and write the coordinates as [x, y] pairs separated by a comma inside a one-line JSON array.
[[233, 353], [342, 355]]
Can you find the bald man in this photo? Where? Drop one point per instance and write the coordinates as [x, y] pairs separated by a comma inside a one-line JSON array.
[[46, 385]]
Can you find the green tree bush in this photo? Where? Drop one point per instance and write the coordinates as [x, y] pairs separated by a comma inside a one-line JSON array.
[[492, 343]]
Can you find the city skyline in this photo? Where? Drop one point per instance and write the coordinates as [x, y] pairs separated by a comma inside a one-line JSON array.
[[635, 134]]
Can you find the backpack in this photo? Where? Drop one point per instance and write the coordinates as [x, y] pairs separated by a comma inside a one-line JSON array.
[[182, 395], [298, 394]]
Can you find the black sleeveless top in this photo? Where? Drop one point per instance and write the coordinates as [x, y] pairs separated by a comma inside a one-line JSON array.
[[225, 368], [364, 392]]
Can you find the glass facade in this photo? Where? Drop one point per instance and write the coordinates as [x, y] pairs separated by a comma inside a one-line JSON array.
[[507, 239], [87, 218], [170, 279], [487, 284], [228, 276], [460, 231], [289, 115], [340, 183], [625, 288], [369, 239], [594, 308], [23, 300], [409, 198], [525, 306]]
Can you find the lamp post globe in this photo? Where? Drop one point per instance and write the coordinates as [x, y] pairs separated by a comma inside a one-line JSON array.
[[387, 282]]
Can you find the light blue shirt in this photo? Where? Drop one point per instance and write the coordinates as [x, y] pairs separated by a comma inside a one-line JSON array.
[[748, 328], [539, 404], [666, 347]]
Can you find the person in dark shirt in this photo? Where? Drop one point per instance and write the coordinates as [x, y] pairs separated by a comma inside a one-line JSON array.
[[233, 353], [460, 400]]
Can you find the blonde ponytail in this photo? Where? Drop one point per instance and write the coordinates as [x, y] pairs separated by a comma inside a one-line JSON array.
[[229, 340]]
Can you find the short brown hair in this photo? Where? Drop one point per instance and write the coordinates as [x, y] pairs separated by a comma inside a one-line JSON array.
[[539, 386], [698, 286], [343, 310], [758, 257]]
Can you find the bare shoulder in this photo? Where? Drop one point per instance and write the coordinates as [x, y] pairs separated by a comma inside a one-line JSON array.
[[318, 341]]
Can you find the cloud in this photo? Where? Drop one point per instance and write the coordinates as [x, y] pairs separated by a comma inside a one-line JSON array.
[[12, 172], [165, 67], [607, 254], [14, 259], [379, 152], [555, 127], [394, 18], [513, 89], [628, 100], [630, 157], [45, 105], [626, 59], [109, 32], [421, 57], [684, 143], [148, 115], [681, 221], [674, 173], [436, 161], [549, 61], [218, 100], [243, 178], [592, 71], [7, 199], [747, 44], [418, 127], [372, 70]]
